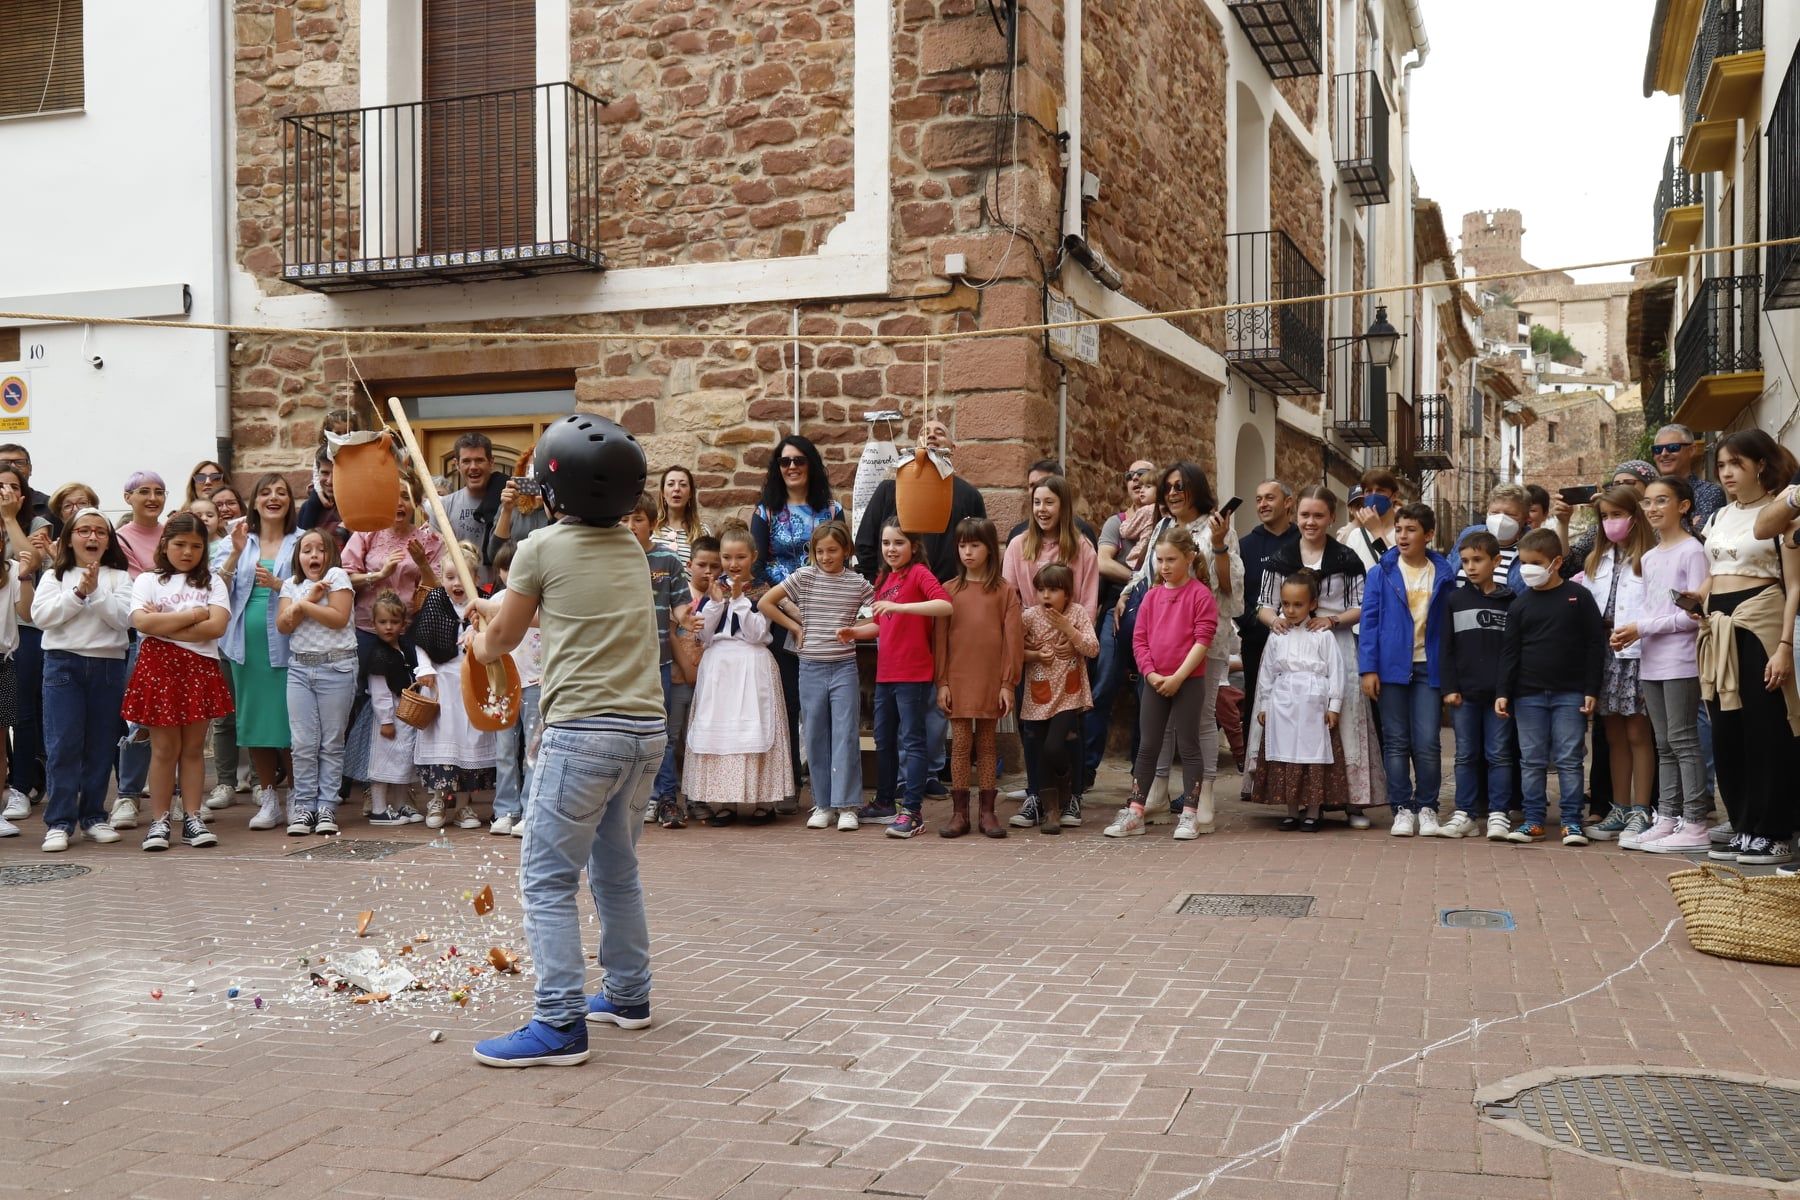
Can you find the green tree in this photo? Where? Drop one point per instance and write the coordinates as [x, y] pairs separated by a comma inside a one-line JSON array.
[[1554, 345]]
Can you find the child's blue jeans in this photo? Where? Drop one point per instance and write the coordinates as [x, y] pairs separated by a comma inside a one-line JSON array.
[[1551, 732], [1487, 753], [829, 702], [1409, 742], [900, 742], [512, 772]]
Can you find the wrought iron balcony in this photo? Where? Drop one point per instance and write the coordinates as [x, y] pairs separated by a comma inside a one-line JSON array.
[[1359, 396], [1679, 212], [1718, 353], [1278, 347], [1431, 432], [1360, 134], [1715, 90], [1782, 274], [1284, 34], [1659, 401], [495, 185]]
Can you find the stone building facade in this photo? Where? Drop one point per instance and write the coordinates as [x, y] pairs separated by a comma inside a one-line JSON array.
[[812, 166], [1577, 439]]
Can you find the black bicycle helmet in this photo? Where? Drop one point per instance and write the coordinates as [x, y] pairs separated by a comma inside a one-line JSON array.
[[590, 469]]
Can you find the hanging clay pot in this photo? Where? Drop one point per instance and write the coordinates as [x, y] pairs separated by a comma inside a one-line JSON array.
[[922, 496], [366, 484], [490, 692]]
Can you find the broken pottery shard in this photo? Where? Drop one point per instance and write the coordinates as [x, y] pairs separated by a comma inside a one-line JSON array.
[[484, 901], [503, 960], [362, 922], [371, 998]]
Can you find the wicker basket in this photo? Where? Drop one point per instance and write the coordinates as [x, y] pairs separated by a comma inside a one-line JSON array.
[[415, 707], [1753, 919]]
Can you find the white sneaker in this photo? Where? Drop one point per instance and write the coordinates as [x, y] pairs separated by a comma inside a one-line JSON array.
[[1460, 825], [102, 833], [820, 819], [18, 805], [1014, 794], [55, 840], [1129, 823], [1658, 830], [466, 818], [518, 829], [1498, 827], [1428, 823], [502, 827], [1187, 828], [219, 797], [1405, 824], [124, 813], [1357, 820], [649, 814], [434, 812], [8, 829], [269, 812], [847, 822]]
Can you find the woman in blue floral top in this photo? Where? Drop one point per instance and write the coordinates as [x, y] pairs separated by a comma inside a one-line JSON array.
[[796, 498]]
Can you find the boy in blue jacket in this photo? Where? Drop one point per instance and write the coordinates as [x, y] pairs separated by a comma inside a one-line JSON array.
[[1404, 601]]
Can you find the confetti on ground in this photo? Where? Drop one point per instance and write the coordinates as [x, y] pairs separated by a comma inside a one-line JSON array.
[[156, 993], [437, 1035]]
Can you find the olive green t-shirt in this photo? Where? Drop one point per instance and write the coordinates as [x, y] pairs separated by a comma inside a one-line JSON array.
[[598, 622]]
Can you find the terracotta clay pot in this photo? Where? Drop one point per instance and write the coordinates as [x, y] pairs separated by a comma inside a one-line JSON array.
[[488, 712], [366, 484], [922, 497]]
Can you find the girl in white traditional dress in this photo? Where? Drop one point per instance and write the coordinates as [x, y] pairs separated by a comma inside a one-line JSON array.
[[1339, 573], [1299, 692], [392, 667], [455, 759], [737, 743]]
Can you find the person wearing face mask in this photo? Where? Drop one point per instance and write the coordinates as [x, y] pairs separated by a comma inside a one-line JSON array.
[[1507, 506], [1373, 534], [1633, 473]]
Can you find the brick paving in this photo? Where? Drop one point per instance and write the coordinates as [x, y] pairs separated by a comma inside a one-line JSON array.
[[848, 1014]]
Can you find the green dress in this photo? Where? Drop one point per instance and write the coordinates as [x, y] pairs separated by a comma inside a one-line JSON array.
[[261, 689]]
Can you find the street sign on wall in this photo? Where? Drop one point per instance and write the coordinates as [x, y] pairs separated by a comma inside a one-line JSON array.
[[15, 401]]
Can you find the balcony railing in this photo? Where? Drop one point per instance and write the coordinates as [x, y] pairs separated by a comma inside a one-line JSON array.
[[1718, 353], [1431, 432], [1678, 190], [500, 184], [1359, 396], [1659, 401], [1360, 134], [1284, 34], [1277, 347], [1783, 265], [1727, 27]]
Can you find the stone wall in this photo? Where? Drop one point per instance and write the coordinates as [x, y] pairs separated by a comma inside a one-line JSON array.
[[1586, 445], [1297, 461], [1295, 204]]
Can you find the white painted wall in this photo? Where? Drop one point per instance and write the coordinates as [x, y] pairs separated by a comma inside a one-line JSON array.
[[120, 195], [1778, 409]]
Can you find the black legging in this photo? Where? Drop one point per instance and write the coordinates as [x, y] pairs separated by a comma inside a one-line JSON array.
[[1754, 752], [1047, 744]]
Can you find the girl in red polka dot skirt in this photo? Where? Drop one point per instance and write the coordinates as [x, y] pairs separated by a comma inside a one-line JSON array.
[[176, 689]]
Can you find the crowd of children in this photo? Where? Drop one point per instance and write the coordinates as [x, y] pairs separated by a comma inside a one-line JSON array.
[[319, 653]]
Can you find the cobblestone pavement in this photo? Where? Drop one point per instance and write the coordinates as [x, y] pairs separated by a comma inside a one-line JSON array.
[[845, 1013]]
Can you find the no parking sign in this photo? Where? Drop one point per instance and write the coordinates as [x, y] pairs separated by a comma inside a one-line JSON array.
[[15, 402]]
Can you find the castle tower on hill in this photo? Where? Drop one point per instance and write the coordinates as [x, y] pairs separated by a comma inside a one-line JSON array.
[[1494, 240]]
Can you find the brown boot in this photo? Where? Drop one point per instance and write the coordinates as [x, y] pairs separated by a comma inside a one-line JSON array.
[[958, 824], [1050, 802], [990, 823]]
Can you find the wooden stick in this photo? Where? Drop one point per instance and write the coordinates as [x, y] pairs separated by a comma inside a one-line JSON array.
[[432, 502]]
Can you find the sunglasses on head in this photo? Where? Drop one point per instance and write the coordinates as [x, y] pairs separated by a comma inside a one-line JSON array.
[[1669, 447], [790, 461]]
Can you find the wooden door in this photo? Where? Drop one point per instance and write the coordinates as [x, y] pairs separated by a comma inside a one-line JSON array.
[[480, 123]]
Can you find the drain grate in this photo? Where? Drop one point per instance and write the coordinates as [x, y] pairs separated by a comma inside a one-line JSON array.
[[352, 850], [1476, 918], [1685, 1123], [1203, 904], [24, 874]]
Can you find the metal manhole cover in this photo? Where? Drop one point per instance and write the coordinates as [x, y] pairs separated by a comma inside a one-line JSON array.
[[23, 874], [1202, 904], [352, 849], [1688, 1124], [1476, 918]]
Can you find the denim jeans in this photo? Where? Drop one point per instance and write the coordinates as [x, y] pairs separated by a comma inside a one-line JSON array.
[[587, 797], [1551, 731], [134, 757], [27, 762], [1109, 675], [937, 740], [1487, 753], [829, 699], [81, 698], [512, 773], [318, 704], [900, 710], [1409, 742], [668, 779]]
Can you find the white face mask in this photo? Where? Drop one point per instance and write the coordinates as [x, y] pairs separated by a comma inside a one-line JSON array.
[[1503, 527], [1534, 575]]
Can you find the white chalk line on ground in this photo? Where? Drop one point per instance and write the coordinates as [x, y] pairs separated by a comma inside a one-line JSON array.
[[1278, 1144]]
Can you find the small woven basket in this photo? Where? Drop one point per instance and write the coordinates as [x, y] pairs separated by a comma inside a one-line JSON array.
[[1731, 915], [415, 707]]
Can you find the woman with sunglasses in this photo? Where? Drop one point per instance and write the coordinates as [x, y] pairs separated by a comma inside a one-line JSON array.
[[796, 499], [1184, 497], [206, 478]]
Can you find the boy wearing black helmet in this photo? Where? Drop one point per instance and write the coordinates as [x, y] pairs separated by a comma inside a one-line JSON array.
[[585, 581]]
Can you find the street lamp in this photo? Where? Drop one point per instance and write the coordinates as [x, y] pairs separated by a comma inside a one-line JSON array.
[[1381, 343]]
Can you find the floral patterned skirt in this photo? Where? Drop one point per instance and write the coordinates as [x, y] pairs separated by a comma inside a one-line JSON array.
[[1620, 695], [1303, 785], [461, 780]]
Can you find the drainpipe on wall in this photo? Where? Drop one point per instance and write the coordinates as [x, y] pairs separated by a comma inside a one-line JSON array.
[[1071, 222], [219, 41], [1422, 50]]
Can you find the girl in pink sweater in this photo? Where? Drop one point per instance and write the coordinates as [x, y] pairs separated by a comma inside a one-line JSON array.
[[1176, 625]]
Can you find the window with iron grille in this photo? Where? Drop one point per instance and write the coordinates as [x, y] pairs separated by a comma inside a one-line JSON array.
[[40, 57]]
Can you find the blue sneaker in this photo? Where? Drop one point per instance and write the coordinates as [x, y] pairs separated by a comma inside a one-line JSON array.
[[539, 1044], [625, 1016]]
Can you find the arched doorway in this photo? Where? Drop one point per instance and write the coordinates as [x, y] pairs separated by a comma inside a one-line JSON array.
[[1250, 466]]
